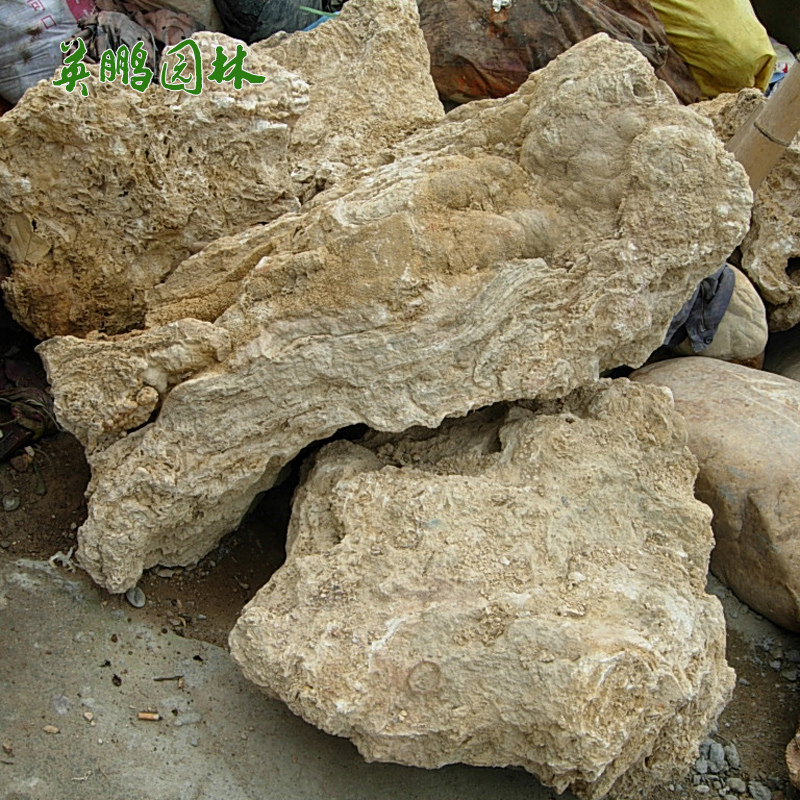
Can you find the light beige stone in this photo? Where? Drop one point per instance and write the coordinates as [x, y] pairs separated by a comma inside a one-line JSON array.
[[102, 197], [370, 86], [744, 428], [771, 249], [743, 333], [453, 277], [522, 588]]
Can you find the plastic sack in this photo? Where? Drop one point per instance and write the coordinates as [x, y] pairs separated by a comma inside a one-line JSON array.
[[481, 48], [254, 20], [31, 32], [722, 41], [781, 18]]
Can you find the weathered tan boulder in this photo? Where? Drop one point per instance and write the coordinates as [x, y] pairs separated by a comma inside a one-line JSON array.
[[771, 249], [518, 589], [103, 196], [370, 86], [515, 251], [742, 335], [744, 428], [153, 178]]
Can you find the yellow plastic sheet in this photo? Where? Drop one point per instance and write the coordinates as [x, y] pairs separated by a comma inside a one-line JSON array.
[[722, 41]]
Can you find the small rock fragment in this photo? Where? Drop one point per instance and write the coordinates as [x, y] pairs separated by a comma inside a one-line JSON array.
[[189, 718], [61, 704], [8, 749], [758, 791], [50, 729], [716, 757], [88, 716], [21, 462], [11, 502], [736, 785], [732, 756], [149, 716], [701, 766], [135, 596]]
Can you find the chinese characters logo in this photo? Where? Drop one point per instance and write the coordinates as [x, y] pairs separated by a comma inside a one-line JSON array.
[[129, 65]]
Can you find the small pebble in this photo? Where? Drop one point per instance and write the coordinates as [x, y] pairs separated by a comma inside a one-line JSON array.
[[193, 741], [790, 674], [21, 462], [61, 704], [716, 757], [737, 785], [758, 791], [50, 729], [5, 545], [702, 789], [11, 502], [744, 681], [776, 664], [135, 597], [701, 766], [163, 572], [732, 756], [189, 718], [793, 656]]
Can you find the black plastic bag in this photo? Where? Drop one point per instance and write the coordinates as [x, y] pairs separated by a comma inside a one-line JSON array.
[[253, 20]]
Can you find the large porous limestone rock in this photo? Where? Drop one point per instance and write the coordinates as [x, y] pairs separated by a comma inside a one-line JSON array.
[[744, 428], [521, 588], [514, 252], [102, 197], [771, 250]]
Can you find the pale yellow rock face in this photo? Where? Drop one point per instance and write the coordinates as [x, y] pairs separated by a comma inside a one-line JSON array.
[[743, 332], [102, 197], [524, 586], [514, 250], [743, 426], [771, 249]]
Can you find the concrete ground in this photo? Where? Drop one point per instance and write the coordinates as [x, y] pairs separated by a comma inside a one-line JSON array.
[[85, 667], [78, 666]]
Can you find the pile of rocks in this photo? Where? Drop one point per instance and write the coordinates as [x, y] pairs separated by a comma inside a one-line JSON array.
[[525, 584]]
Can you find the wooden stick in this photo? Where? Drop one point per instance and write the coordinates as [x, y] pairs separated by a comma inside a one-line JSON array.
[[760, 142]]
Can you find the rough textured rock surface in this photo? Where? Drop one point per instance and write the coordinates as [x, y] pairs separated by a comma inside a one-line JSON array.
[[152, 178], [370, 86], [742, 335], [517, 250], [744, 428], [522, 588], [793, 760], [771, 250]]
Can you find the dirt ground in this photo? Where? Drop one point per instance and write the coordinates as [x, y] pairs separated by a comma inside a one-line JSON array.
[[204, 601]]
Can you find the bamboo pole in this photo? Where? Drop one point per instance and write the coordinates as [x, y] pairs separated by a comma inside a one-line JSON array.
[[760, 142]]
